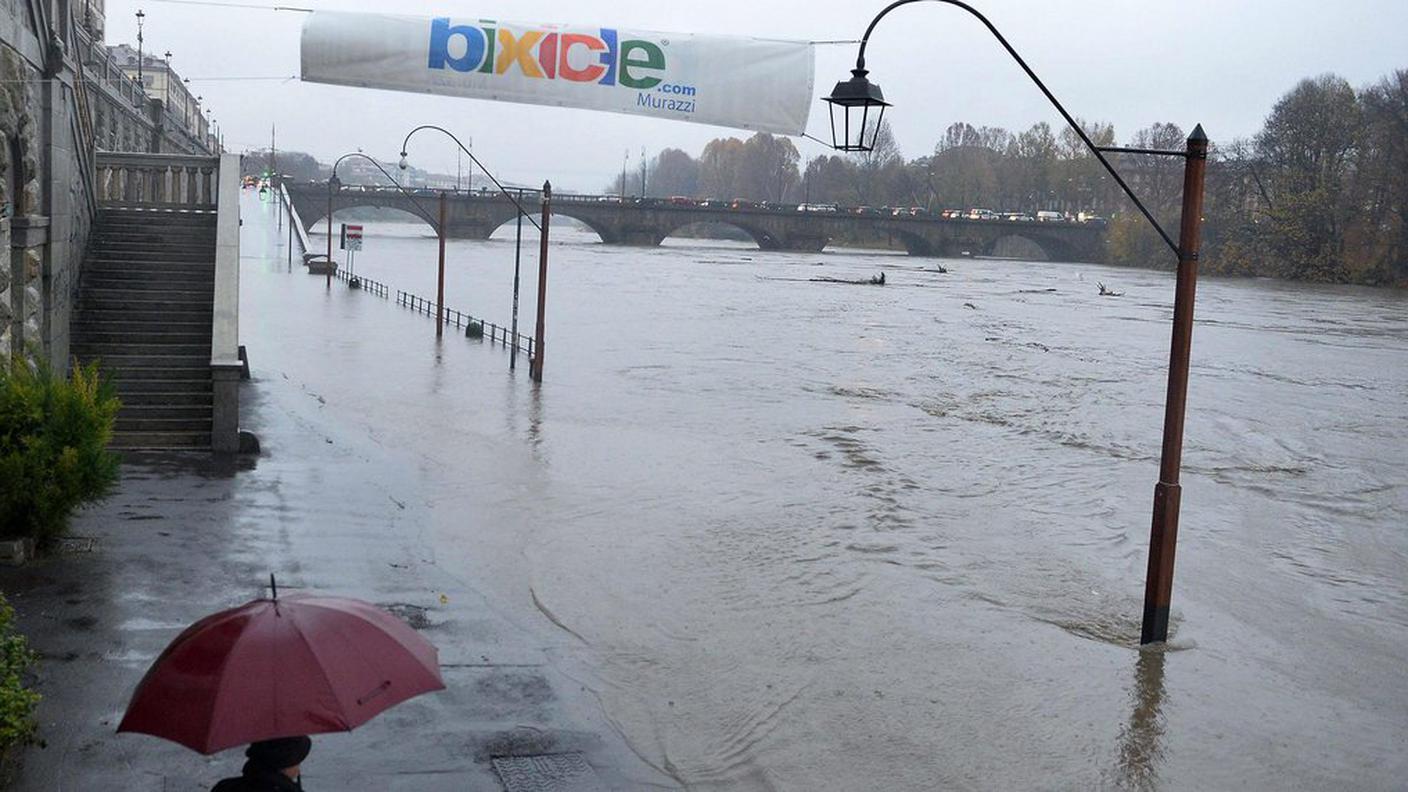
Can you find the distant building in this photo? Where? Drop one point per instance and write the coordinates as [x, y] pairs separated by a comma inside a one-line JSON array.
[[178, 123]]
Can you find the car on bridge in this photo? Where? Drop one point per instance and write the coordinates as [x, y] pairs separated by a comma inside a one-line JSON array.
[[681, 200], [739, 203], [818, 208], [1050, 217]]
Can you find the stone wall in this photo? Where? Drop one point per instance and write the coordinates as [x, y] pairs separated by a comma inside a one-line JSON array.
[[46, 180]]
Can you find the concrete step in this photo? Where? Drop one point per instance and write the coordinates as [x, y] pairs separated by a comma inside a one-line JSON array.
[[160, 400], [169, 317], [152, 241], [204, 269], [117, 324], [156, 289], [154, 252], [164, 412], [134, 441], [119, 364], [155, 232], [85, 332], [194, 293], [90, 351], [165, 386], [157, 217], [141, 274], [190, 373], [164, 425]]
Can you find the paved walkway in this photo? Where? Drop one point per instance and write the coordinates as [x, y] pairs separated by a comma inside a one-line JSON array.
[[326, 508]]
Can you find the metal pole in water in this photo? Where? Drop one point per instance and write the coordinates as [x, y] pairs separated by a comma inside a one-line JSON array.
[[330, 189], [1163, 536], [517, 259], [440, 285], [539, 345]]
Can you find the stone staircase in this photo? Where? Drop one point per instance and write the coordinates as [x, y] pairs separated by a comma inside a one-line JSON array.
[[145, 312]]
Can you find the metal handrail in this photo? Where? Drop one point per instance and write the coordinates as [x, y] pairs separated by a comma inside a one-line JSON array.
[[497, 334]]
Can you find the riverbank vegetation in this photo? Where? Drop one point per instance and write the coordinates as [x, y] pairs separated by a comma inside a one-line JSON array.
[[54, 434]]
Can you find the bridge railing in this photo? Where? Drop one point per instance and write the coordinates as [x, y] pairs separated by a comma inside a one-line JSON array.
[[473, 327], [157, 181], [890, 214]]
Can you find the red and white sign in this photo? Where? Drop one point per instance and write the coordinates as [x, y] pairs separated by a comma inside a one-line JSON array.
[[351, 237]]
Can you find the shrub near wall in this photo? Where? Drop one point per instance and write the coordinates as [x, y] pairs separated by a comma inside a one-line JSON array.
[[53, 447], [17, 702]]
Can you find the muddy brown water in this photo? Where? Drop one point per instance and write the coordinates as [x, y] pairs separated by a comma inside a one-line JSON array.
[[808, 536]]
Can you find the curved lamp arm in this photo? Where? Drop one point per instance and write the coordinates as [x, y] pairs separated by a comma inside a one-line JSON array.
[[404, 163], [1094, 149], [425, 214]]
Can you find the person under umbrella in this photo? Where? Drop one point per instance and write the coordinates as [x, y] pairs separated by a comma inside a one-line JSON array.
[[273, 766]]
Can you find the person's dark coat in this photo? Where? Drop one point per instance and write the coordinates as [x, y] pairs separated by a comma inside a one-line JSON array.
[[264, 770], [257, 778]]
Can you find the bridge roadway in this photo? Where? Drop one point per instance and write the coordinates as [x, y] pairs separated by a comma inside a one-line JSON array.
[[649, 222]]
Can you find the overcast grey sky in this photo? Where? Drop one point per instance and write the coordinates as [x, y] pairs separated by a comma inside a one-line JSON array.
[[1131, 62]]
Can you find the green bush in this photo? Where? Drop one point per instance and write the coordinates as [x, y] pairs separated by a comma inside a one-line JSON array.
[[53, 447], [17, 702]]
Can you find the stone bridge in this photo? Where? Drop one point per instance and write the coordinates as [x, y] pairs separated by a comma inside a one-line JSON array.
[[649, 222]]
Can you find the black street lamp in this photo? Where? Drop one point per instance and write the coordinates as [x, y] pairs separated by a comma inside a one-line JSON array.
[[141, 17], [855, 99]]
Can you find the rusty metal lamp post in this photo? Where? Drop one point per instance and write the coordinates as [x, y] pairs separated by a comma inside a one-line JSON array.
[[857, 98], [334, 184]]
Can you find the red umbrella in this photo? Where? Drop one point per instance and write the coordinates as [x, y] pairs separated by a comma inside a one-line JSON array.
[[281, 668]]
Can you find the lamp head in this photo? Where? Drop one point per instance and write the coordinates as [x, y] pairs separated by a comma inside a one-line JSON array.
[[855, 100], [404, 163]]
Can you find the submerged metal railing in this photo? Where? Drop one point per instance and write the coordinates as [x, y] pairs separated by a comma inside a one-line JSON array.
[[473, 326], [365, 284]]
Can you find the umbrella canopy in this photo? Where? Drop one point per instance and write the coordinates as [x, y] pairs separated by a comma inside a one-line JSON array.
[[281, 668]]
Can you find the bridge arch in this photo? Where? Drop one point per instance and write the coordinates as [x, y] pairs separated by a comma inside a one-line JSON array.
[[315, 213], [1032, 247], [608, 234], [764, 239]]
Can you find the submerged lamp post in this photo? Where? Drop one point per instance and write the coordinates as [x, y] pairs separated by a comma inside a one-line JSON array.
[[334, 184], [857, 98], [536, 363]]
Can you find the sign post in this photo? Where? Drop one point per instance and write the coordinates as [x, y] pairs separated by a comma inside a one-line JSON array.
[[351, 242]]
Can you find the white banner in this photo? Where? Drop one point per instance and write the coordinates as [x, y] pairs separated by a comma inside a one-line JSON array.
[[757, 84]]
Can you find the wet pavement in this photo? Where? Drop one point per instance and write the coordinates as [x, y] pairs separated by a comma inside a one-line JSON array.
[[324, 509]]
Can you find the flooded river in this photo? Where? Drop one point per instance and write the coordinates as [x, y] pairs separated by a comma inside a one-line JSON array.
[[805, 536]]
